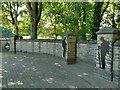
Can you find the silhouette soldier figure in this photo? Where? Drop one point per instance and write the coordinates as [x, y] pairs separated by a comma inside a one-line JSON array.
[[104, 50], [7, 46], [64, 44]]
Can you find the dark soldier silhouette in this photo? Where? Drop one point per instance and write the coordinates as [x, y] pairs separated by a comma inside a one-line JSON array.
[[7, 46], [104, 50], [64, 46], [21, 37]]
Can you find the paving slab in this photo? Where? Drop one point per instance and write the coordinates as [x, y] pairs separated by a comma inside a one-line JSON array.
[[33, 70]]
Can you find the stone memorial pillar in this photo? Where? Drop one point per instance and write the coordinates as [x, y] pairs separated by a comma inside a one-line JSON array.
[[106, 39], [71, 48]]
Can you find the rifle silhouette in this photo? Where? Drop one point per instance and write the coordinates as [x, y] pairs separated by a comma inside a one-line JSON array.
[[99, 57], [112, 59]]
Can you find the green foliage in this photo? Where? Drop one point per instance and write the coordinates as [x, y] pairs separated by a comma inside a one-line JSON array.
[[59, 17], [111, 16], [23, 19]]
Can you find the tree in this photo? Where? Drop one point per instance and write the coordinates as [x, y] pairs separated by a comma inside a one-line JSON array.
[[67, 16], [77, 13], [53, 14], [97, 17], [115, 14], [111, 16], [10, 13], [84, 19], [14, 18], [118, 17], [34, 9]]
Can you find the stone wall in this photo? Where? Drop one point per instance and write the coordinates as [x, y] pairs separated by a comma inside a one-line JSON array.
[[54, 47], [105, 35], [116, 59], [86, 53], [108, 58], [2, 44]]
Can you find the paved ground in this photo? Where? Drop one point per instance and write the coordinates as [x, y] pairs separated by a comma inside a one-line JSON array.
[[25, 70]]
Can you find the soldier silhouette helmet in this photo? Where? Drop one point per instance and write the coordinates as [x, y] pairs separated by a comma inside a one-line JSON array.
[[102, 39]]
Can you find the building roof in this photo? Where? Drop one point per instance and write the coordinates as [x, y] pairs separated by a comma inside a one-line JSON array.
[[5, 32], [108, 30], [117, 43], [67, 34]]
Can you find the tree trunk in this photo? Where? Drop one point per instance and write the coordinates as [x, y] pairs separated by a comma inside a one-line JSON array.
[[76, 27], [113, 17], [84, 20], [33, 28], [14, 20], [55, 29], [34, 9], [97, 17], [16, 30], [76, 22]]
